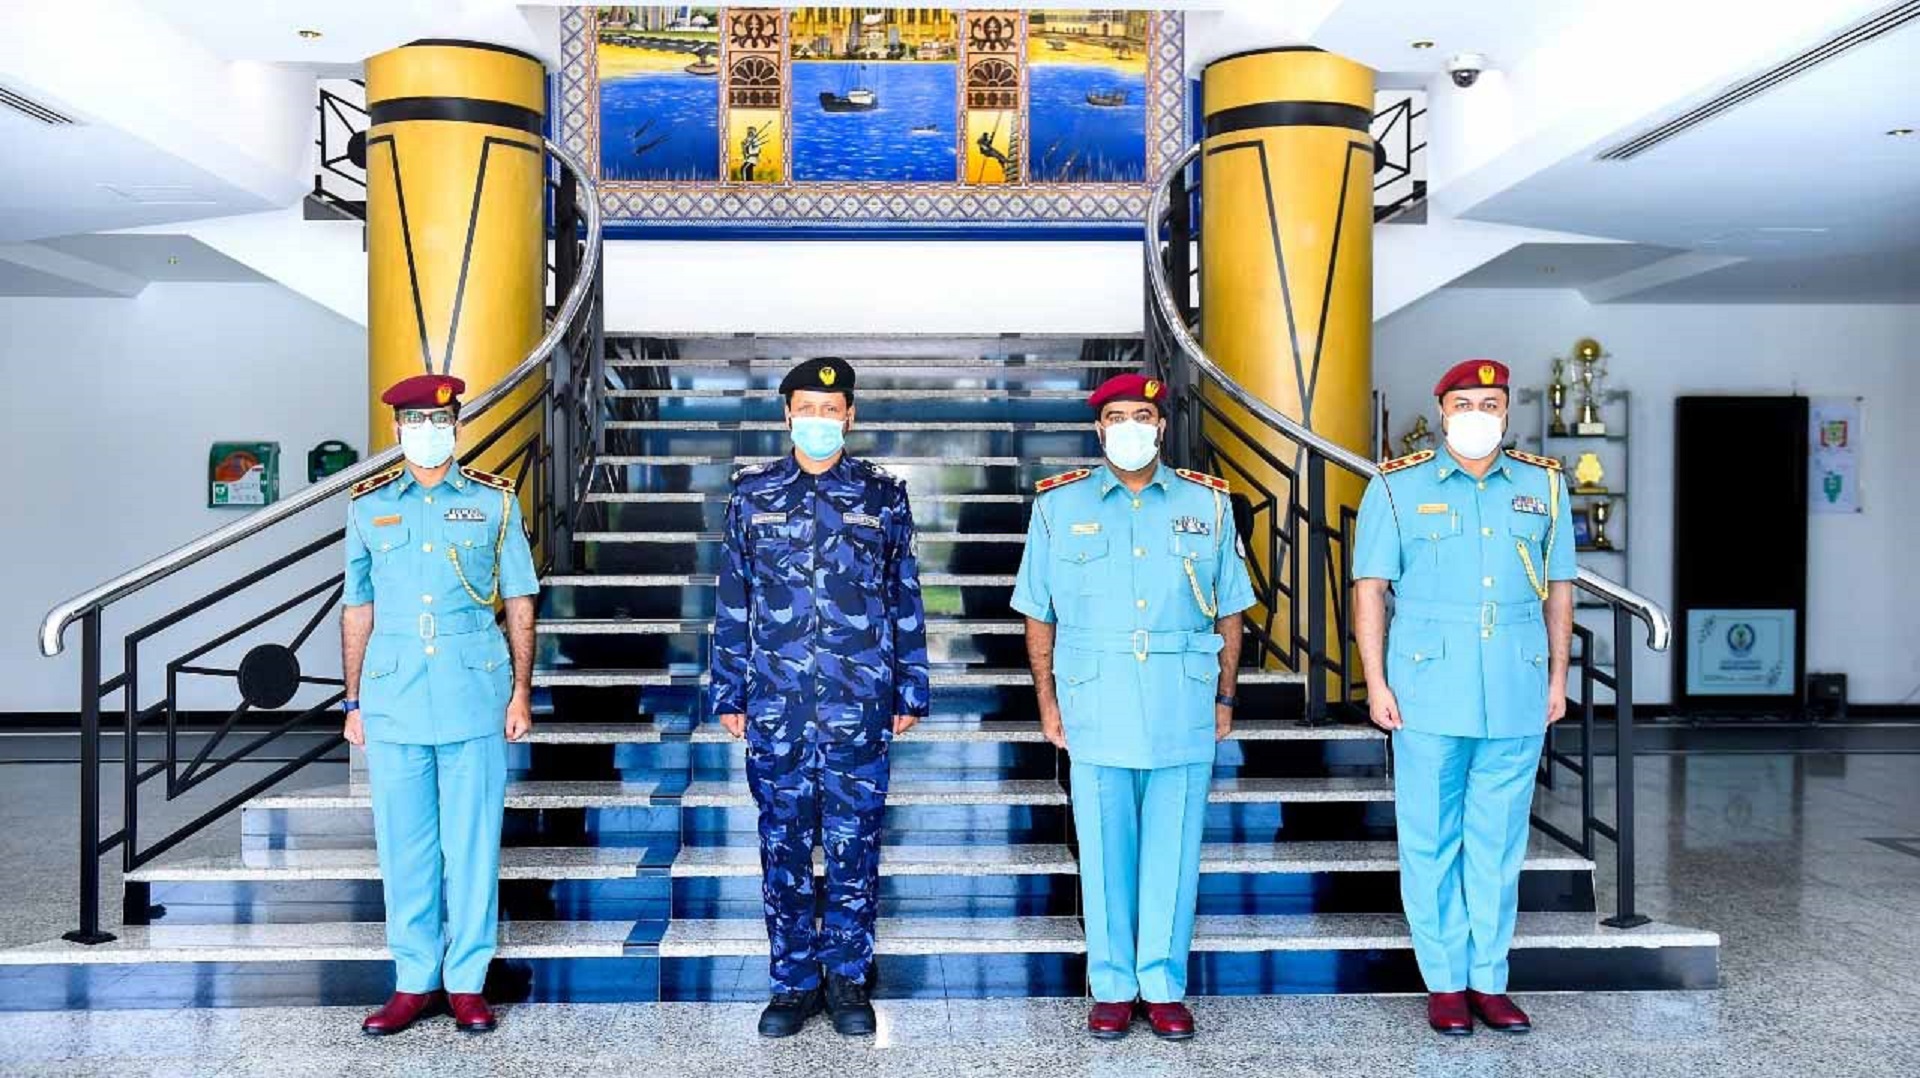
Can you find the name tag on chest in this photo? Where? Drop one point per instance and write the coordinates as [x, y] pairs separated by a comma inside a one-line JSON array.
[[474, 516], [861, 520], [1087, 529], [1191, 526], [767, 518], [1527, 503]]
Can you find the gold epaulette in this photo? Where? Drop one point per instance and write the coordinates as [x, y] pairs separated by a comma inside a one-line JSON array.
[[1211, 482], [488, 479], [1388, 467], [1061, 480], [375, 482], [1552, 463]]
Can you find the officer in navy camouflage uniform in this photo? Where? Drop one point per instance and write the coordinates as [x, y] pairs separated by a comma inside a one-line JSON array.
[[819, 659]]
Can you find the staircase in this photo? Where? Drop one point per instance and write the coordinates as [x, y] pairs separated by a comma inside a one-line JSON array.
[[631, 870]]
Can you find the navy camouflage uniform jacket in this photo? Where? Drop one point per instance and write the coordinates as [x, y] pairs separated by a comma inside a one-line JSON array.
[[818, 627]]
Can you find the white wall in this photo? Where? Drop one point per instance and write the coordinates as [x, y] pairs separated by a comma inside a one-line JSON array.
[[112, 405], [1861, 591]]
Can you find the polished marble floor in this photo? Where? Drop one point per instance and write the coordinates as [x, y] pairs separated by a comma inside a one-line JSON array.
[[1808, 865]]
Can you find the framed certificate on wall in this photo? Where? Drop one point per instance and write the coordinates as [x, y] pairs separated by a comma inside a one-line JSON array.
[[1741, 653]]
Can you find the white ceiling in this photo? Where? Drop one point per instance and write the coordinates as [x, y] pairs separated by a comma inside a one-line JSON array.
[[1562, 265], [112, 265], [1380, 33], [1802, 182], [350, 30]]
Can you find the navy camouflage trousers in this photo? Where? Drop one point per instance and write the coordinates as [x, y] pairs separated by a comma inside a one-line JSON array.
[[815, 792]]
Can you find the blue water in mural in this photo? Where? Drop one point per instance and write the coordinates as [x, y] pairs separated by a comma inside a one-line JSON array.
[[660, 125], [1070, 140], [881, 144]]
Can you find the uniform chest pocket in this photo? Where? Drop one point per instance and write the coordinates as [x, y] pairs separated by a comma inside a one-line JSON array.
[[777, 549], [473, 542], [1530, 531], [1434, 537], [1083, 561], [863, 551]]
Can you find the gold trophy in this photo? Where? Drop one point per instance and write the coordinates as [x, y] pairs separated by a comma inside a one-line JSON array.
[[1417, 438], [1587, 353], [1602, 511], [1557, 397], [1588, 476]]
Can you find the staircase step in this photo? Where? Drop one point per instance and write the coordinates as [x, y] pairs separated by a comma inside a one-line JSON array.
[[620, 460], [516, 863], [683, 538], [747, 938], [890, 426], [956, 678], [935, 730], [697, 497], [325, 941], [904, 792], [1266, 791], [970, 395], [956, 860], [773, 352], [707, 580], [1272, 858], [538, 794]]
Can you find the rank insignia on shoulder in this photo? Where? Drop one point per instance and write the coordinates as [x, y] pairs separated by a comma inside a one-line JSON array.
[[1388, 467], [467, 514], [1061, 480], [375, 482], [1211, 482], [488, 479], [749, 469], [1552, 463]]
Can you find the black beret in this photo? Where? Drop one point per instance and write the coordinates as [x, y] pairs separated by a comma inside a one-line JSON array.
[[827, 374]]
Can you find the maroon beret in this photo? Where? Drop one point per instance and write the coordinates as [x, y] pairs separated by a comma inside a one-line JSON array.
[[1472, 374], [1127, 387], [424, 391]]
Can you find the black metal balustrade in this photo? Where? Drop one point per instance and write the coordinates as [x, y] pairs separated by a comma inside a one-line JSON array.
[[1302, 551], [553, 460], [340, 179]]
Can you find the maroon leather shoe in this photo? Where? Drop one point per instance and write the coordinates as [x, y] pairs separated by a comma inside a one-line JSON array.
[[1447, 1013], [1499, 1013], [1170, 1021], [401, 1011], [1110, 1021], [470, 1012]]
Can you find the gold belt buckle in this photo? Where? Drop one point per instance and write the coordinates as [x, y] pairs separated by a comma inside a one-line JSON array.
[[429, 628], [1141, 638]]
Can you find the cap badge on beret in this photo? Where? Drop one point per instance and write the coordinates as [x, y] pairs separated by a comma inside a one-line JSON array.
[[443, 393], [1486, 374], [1153, 389], [827, 375]]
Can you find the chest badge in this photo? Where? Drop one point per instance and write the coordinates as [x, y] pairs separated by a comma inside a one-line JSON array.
[[767, 518], [1527, 503], [1087, 529], [861, 520], [467, 514], [1191, 526]]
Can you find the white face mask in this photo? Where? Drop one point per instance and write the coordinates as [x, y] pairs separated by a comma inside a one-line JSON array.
[[426, 445], [1474, 435], [1131, 445]]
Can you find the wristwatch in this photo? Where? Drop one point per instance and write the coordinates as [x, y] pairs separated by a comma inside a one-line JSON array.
[[1224, 700], [348, 707]]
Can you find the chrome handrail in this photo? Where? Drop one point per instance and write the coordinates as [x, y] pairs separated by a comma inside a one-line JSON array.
[[1659, 625], [53, 627]]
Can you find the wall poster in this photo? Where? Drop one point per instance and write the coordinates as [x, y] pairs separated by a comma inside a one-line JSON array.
[[865, 118], [1741, 653], [1833, 454]]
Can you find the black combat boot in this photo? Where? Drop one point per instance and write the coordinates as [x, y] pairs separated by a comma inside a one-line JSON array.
[[847, 1003], [787, 1012]]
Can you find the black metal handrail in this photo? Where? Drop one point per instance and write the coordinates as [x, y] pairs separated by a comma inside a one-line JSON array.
[[553, 460], [341, 142], [1220, 425]]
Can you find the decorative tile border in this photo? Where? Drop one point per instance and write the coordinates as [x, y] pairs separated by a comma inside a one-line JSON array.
[[856, 207]]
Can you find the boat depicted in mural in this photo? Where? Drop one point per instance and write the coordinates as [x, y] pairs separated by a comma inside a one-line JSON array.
[[703, 64], [1107, 99], [854, 95]]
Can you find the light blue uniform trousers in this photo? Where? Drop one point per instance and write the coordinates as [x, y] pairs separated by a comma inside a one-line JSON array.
[[436, 816], [1139, 832], [1462, 806]]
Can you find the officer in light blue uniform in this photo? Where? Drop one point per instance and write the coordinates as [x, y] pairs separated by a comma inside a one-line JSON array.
[[1132, 582], [434, 696], [1477, 546]]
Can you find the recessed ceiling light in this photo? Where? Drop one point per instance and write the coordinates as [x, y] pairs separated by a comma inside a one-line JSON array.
[[1901, 132], [310, 35], [1549, 269], [173, 260], [1423, 43]]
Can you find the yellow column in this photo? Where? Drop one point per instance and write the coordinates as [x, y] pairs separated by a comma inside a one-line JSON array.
[[1286, 304], [456, 234]]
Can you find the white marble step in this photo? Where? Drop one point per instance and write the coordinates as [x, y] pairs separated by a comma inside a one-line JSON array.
[[698, 497], [1216, 858], [542, 794], [637, 460], [706, 580], [928, 393], [269, 866], [1241, 791], [932, 730], [747, 937], [331, 941], [1020, 860], [903, 426], [727, 794], [777, 352], [952, 678]]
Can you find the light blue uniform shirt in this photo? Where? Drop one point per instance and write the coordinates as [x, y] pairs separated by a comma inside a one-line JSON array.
[[1135, 583], [1467, 648], [437, 668]]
